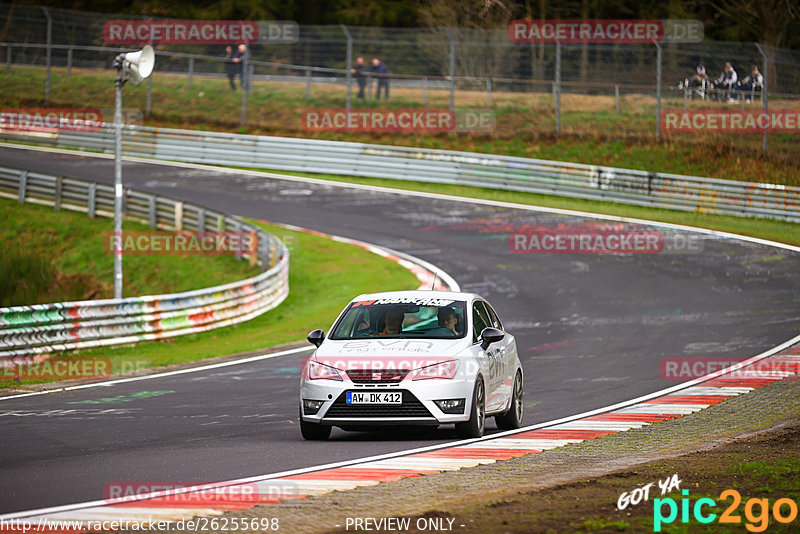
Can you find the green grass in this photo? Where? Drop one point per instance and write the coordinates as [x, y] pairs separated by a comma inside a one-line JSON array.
[[592, 132], [324, 275], [60, 256], [783, 232]]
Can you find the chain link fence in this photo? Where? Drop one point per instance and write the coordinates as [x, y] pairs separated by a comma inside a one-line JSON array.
[[624, 86]]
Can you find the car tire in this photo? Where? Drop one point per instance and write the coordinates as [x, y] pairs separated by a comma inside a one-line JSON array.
[[477, 419], [512, 419], [313, 431]]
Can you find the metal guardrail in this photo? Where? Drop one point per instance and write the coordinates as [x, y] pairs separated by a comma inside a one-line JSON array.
[[27, 331], [591, 182]]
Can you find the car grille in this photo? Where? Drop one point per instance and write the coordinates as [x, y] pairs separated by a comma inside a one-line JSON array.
[[380, 376], [411, 407]]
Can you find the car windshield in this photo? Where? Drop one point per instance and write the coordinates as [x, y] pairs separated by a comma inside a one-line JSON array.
[[402, 318]]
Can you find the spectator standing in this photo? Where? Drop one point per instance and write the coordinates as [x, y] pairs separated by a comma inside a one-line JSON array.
[[230, 66], [240, 58], [359, 71], [727, 80], [753, 82], [382, 73]]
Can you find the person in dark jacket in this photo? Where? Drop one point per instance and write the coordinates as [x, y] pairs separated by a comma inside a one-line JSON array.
[[360, 72], [381, 72], [230, 66], [242, 56]]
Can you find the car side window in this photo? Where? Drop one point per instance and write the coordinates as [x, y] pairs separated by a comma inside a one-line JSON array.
[[479, 320], [493, 317]]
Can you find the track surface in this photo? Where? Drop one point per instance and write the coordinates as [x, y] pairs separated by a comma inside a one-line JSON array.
[[591, 329]]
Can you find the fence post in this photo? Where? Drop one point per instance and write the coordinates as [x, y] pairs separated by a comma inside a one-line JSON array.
[[348, 63], [658, 90], [69, 61], [488, 91], [8, 60], [452, 69], [764, 93], [308, 84], [425, 91], [49, 52], [245, 83], [616, 97], [557, 87], [191, 70], [149, 104]]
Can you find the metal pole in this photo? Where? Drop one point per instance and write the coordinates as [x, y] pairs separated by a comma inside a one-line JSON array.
[[191, 70], [245, 83], [425, 91], [557, 87], [308, 84], [8, 60], [118, 184], [764, 93], [452, 69], [49, 52], [69, 61], [616, 97], [149, 103], [488, 91], [658, 90], [348, 63]]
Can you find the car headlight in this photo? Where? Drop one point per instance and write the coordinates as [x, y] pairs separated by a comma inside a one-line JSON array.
[[320, 371], [444, 370]]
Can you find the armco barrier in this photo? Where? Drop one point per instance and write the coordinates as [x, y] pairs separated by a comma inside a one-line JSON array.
[[27, 331], [592, 182]]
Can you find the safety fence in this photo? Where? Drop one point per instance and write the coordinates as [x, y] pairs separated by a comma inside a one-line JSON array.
[[592, 182], [27, 331]]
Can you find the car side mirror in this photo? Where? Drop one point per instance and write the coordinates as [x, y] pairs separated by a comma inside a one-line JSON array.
[[491, 335], [315, 337]]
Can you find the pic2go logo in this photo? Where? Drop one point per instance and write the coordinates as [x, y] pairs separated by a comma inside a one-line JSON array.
[[756, 511]]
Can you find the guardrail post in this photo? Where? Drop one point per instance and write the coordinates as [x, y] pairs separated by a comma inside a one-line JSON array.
[[263, 249], [658, 90], [49, 52], [235, 228], [764, 93], [23, 185], [91, 205], [220, 223], [69, 61], [152, 218], [57, 192], [178, 216], [191, 70], [149, 103], [201, 220], [308, 84], [557, 87]]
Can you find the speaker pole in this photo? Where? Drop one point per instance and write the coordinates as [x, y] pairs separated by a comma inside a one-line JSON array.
[[117, 240]]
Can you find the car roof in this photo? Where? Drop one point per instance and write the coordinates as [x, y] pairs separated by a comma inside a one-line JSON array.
[[419, 294]]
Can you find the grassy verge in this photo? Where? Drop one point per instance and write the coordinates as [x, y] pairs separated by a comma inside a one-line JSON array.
[[784, 232], [53, 256], [321, 282], [592, 132]]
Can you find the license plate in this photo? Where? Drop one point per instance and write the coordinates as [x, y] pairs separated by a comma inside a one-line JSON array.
[[381, 397]]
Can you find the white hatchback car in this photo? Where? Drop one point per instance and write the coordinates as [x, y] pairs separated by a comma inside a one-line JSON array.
[[412, 358]]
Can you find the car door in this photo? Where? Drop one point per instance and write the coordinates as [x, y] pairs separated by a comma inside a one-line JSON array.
[[509, 356], [495, 375]]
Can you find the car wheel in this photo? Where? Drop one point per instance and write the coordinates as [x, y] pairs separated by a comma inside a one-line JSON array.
[[474, 427], [313, 431], [513, 417]]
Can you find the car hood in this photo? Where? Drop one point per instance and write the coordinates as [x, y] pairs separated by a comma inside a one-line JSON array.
[[388, 353]]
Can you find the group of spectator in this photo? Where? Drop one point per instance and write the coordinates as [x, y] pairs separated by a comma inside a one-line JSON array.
[[728, 84], [234, 64], [378, 70]]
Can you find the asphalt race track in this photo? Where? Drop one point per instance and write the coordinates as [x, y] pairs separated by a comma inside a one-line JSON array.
[[592, 330]]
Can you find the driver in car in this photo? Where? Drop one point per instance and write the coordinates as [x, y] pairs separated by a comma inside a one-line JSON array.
[[394, 322]]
